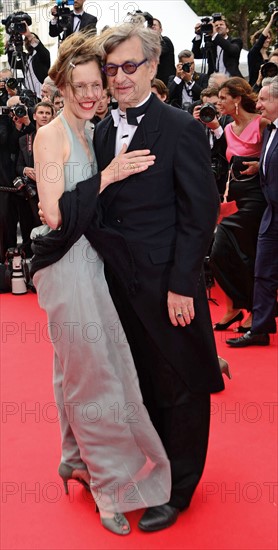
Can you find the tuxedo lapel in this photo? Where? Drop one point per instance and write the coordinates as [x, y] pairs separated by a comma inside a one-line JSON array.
[[144, 138], [148, 130]]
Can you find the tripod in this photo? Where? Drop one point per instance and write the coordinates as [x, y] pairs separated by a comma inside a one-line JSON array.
[[17, 60]]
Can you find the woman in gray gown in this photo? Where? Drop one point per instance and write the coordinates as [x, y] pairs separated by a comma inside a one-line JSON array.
[[108, 441]]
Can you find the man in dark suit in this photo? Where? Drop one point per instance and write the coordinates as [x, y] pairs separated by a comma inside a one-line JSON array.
[[166, 65], [186, 86], [167, 215], [266, 266], [28, 209], [221, 52], [78, 20]]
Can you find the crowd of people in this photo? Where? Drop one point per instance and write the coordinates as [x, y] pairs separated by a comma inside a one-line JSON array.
[[148, 155]]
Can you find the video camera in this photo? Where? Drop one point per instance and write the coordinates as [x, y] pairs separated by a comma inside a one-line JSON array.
[[15, 22], [272, 7], [207, 23], [64, 14], [15, 27]]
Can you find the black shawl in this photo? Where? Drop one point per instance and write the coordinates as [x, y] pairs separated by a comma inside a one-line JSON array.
[[80, 213]]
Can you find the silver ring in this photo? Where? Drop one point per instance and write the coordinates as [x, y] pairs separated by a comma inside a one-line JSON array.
[[179, 315]]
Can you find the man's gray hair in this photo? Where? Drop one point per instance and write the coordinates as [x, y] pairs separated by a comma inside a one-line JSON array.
[[113, 37], [273, 82], [185, 53]]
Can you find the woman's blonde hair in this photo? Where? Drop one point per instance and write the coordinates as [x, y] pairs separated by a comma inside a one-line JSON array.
[[78, 49]]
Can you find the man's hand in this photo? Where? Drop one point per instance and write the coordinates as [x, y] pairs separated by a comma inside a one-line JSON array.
[[19, 122], [186, 77], [180, 309]]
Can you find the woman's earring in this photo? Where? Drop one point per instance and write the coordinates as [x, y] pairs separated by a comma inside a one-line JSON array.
[[236, 106]]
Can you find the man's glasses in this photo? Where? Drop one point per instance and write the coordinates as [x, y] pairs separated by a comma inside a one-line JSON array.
[[128, 67]]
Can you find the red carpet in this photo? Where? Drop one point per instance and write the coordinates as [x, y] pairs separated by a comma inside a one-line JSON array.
[[235, 506]]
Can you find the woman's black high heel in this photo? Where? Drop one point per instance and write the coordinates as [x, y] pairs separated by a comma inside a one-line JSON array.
[[67, 472], [224, 326]]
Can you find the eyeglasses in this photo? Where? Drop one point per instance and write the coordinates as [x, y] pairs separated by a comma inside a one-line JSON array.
[[128, 67]]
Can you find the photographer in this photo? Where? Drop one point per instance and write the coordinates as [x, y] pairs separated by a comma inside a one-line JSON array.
[[259, 52], [267, 70], [208, 114], [166, 65], [7, 174], [43, 114], [35, 62], [8, 86], [221, 52], [186, 86], [64, 22]]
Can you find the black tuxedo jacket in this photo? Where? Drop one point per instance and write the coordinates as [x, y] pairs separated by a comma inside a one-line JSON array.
[[167, 215], [88, 22], [231, 52], [175, 90], [25, 157], [269, 182]]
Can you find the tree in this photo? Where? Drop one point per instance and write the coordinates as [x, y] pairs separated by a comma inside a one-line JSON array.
[[244, 17], [2, 47]]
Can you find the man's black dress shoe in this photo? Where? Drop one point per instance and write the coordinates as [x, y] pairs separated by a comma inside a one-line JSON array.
[[249, 339], [158, 517]]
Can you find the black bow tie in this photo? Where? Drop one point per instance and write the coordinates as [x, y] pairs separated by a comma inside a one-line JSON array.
[[271, 127], [133, 112], [78, 16]]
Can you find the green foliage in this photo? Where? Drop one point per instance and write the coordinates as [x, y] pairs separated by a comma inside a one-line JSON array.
[[2, 36], [244, 17]]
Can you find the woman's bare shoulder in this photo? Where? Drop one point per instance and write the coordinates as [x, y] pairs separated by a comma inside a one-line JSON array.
[[51, 133]]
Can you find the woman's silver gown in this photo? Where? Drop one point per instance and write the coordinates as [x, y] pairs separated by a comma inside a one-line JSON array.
[[104, 423]]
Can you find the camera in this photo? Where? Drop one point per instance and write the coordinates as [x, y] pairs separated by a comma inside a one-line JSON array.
[[206, 25], [15, 23], [269, 69], [19, 270], [272, 7], [186, 67], [28, 97], [208, 112], [64, 14], [216, 17], [26, 185], [19, 110]]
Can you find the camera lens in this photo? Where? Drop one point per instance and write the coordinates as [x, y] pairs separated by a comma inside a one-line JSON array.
[[20, 111], [269, 69], [186, 67], [208, 112]]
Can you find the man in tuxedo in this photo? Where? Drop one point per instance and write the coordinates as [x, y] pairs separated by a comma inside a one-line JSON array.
[[221, 52], [167, 215], [266, 266], [186, 86], [78, 20]]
